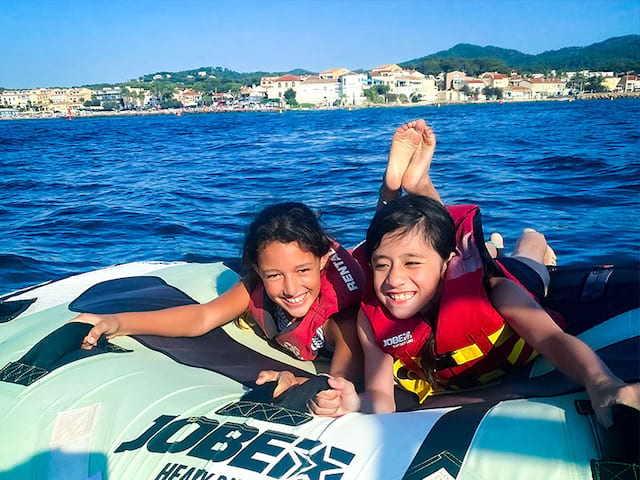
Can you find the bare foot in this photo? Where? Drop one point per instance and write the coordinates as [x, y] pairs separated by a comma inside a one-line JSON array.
[[495, 245], [534, 245], [403, 145], [416, 177], [532, 248], [550, 257]]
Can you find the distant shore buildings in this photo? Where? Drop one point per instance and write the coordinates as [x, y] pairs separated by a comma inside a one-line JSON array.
[[337, 87]]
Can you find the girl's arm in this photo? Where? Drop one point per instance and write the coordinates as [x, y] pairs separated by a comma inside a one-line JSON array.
[[183, 321], [347, 360], [378, 396], [567, 353]]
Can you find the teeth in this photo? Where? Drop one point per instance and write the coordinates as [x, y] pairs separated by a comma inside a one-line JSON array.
[[401, 296], [295, 300]]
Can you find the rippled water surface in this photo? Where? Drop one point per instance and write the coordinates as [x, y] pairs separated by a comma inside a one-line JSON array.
[[78, 195]]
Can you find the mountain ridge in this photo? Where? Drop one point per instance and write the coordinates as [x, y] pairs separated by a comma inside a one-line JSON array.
[[615, 53]]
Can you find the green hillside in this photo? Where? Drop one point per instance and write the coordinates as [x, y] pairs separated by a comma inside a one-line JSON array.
[[618, 54], [208, 79]]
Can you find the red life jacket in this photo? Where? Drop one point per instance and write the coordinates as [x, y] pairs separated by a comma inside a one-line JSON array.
[[341, 284], [471, 337]]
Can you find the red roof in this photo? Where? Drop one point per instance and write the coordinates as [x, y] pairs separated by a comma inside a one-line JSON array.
[[288, 78]]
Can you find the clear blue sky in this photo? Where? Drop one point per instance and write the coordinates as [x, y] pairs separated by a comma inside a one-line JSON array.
[[74, 42]]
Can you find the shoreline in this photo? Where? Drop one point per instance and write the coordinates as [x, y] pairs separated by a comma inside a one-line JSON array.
[[202, 110]]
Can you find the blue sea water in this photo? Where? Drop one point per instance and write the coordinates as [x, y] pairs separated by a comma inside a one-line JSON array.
[[82, 194]]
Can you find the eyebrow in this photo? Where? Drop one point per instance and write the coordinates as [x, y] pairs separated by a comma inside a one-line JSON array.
[[297, 267], [404, 255]]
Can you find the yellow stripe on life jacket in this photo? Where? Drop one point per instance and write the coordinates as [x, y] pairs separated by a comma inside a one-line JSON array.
[[410, 381], [516, 351], [245, 321], [466, 354], [501, 335], [533, 355], [473, 351]]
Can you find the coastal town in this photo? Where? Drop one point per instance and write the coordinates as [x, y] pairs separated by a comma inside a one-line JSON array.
[[334, 88]]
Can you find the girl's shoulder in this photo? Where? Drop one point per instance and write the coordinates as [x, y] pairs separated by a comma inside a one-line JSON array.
[[250, 280]]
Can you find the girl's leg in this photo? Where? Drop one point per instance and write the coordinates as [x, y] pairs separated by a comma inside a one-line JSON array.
[[403, 145], [533, 250], [416, 178]]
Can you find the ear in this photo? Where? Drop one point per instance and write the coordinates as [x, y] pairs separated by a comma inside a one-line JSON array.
[[324, 259], [445, 265]]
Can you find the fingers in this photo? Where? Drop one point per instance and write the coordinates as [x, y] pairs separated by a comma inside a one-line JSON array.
[[338, 383], [327, 397], [286, 380], [326, 403], [266, 376], [341, 399], [91, 339]]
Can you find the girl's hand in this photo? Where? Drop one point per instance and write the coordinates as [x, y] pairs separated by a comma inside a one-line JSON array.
[[285, 380], [605, 396], [102, 324], [341, 399]]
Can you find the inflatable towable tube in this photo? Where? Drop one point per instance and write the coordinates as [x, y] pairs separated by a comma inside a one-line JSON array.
[[154, 408]]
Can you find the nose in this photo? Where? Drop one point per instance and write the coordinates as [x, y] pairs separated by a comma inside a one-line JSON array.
[[290, 287], [395, 276]]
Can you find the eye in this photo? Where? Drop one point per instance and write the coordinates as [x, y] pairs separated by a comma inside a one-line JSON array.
[[304, 270], [380, 266], [413, 263], [272, 276]]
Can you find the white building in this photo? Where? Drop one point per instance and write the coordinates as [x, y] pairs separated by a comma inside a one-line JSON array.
[[14, 98], [280, 85], [475, 85], [188, 97], [517, 93], [455, 80], [629, 83], [545, 87], [495, 80], [410, 82], [318, 91], [352, 86]]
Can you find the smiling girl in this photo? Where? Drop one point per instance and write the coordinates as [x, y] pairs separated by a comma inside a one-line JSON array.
[[437, 315], [300, 287], [439, 312]]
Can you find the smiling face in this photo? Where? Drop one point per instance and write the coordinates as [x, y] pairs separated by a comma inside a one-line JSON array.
[[407, 273], [291, 276]]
